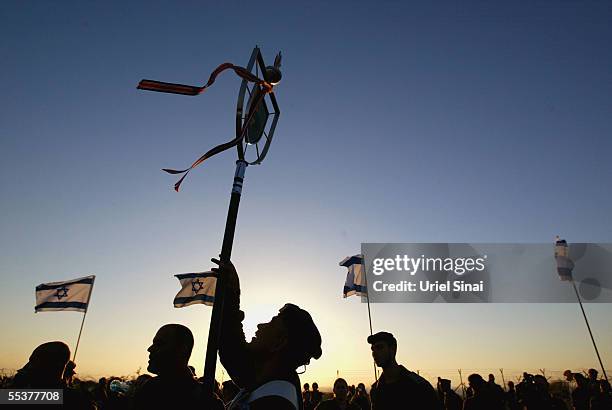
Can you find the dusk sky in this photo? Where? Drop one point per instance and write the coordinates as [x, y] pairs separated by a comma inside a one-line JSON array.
[[401, 122]]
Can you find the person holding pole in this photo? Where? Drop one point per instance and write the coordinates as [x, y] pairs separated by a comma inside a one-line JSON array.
[[265, 368]]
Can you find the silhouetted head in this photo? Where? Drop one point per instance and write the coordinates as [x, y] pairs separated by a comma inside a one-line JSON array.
[[48, 361], [170, 350], [290, 336], [141, 380], [604, 386], [315, 386], [340, 389], [541, 383], [510, 385], [580, 379], [306, 387], [593, 374], [384, 348], [491, 378], [569, 376], [476, 382], [445, 385]]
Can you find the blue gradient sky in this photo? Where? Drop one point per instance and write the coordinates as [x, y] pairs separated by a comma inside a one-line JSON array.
[[401, 122]]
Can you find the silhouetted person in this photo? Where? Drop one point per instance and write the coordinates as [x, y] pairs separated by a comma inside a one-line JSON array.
[[361, 398], [593, 382], [174, 386], [306, 397], [101, 392], [265, 367], [483, 398], [316, 395], [450, 399], [511, 398], [397, 385], [439, 391], [138, 384], [496, 391], [581, 394], [340, 400], [603, 399], [543, 399], [45, 370], [351, 391]]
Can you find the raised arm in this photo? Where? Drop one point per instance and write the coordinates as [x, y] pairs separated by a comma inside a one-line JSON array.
[[233, 348]]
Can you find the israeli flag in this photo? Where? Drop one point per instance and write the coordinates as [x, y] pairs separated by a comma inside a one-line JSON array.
[[68, 295], [355, 283], [196, 288], [564, 264]]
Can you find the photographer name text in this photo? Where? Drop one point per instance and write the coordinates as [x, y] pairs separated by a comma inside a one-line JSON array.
[[428, 286]]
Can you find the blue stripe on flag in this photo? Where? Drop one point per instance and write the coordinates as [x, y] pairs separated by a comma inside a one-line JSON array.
[[356, 288], [205, 298], [196, 275], [86, 281], [77, 305]]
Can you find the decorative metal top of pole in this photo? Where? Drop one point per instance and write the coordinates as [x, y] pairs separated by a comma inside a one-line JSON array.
[[252, 112]]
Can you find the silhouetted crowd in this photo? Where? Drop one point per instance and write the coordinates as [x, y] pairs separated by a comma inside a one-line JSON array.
[[44, 370], [533, 392], [263, 375]]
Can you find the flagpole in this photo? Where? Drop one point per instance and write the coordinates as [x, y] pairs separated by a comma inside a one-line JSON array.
[[365, 275], [589, 329], [83, 322], [210, 362]]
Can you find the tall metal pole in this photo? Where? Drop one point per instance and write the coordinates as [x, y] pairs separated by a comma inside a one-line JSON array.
[[589, 328], [210, 363], [369, 315], [82, 323]]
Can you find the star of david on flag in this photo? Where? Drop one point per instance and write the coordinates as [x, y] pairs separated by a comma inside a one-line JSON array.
[[355, 283], [196, 288], [67, 295]]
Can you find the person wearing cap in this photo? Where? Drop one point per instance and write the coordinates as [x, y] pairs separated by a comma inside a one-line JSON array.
[[265, 367], [398, 387]]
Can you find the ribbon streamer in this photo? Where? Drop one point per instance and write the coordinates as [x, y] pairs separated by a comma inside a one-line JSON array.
[[152, 85]]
